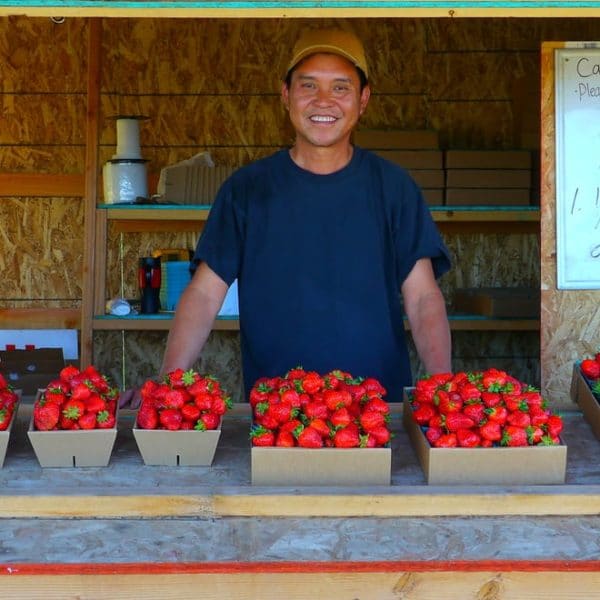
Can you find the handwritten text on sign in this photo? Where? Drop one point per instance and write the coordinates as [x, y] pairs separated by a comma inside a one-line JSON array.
[[578, 167]]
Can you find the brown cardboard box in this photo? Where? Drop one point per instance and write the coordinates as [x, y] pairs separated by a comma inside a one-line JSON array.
[[414, 159], [30, 370], [488, 178], [194, 184], [528, 465], [488, 159], [510, 302], [433, 197], [582, 395], [5, 435], [188, 448], [487, 196], [73, 448], [398, 139], [321, 466]]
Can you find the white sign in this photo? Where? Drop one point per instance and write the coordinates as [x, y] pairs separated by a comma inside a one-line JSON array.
[[577, 78]]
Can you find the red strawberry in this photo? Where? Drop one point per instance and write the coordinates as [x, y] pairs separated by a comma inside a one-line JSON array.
[[371, 419], [447, 440], [176, 398], [424, 413], [73, 409], [80, 391], [341, 417], [335, 399], [554, 425], [170, 418], [309, 437], [381, 434], [534, 435], [590, 368], [455, 421], [220, 404], [491, 399], [190, 411], [204, 400], [449, 402], [67, 373], [5, 416], [475, 411], [321, 426], [208, 420], [432, 434], [285, 439], [497, 413], [87, 420], [491, 431], [147, 417], [519, 419], [105, 419], [467, 438], [378, 404], [95, 403], [261, 436], [312, 382], [293, 424], [514, 436], [316, 410], [346, 437]]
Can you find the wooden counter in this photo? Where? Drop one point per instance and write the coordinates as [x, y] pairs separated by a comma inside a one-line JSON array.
[[132, 531]]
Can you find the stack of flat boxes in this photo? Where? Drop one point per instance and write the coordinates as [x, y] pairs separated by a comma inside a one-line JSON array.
[[488, 177], [417, 151]]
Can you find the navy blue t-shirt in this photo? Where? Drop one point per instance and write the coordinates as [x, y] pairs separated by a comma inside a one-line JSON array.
[[320, 260]]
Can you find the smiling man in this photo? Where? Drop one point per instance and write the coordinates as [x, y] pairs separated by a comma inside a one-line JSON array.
[[325, 239]]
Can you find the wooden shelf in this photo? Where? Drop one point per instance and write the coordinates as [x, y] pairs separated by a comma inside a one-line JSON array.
[[162, 322]]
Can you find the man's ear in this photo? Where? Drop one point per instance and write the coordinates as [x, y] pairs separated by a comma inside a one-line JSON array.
[[365, 94], [285, 95]]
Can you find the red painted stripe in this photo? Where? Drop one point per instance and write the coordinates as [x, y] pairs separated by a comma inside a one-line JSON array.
[[300, 567]]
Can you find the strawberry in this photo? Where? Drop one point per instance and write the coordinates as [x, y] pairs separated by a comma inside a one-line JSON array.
[[491, 431], [377, 404], [381, 434], [190, 411], [341, 417], [261, 436], [321, 426], [147, 417], [87, 420], [294, 423], [80, 391], [73, 409], [432, 434], [423, 413], [491, 399], [335, 399], [554, 425], [449, 402], [519, 419], [514, 436], [208, 420], [309, 437], [590, 368], [170, 418], [494, 380], [371, 419], [447, 440], [105, 419], [220, 404], [5, 417], [176, 398], [455, 421], [534, 435], [285, 439], [475, 411], [346, 437], [312, 382], [467, 438], [497, 413], [67, 373], [203, 400], [94, 403], [316, 410]]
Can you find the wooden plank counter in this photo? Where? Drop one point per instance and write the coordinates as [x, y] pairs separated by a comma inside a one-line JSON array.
[[131, 531]]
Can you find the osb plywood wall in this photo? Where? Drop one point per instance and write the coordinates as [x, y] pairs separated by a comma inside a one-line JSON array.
[[213, 84]]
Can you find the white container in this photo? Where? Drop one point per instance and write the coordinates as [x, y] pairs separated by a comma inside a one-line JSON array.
[[124, 181]]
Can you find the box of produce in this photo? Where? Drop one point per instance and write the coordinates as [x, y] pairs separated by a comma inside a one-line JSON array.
[[74, 419], [484, 428], [9, 402], [313, 429], [585, 390], [179, 419]]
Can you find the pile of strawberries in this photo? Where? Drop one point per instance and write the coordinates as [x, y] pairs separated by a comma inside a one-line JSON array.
[[590, 369], [8, 403], [182, 400], [482, 409], [76, 400], [306, 409]]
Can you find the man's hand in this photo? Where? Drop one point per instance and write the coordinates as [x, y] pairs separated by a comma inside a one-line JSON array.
[[131, 398]]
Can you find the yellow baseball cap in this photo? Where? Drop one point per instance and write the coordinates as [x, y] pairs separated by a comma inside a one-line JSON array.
[[330, 41]]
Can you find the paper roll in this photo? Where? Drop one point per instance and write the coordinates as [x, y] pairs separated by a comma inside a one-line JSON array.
[[128, 138]]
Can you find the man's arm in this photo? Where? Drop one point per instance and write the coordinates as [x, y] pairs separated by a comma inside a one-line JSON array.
[[194, 318], [426, 312]]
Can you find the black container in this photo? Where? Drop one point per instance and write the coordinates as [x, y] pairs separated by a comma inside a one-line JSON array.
[[149, 275]]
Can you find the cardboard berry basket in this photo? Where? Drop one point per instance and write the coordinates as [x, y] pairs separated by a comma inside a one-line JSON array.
[[526, 465], [72, 448], [582, 395], [5, 434], [321, 466], [182, 448]]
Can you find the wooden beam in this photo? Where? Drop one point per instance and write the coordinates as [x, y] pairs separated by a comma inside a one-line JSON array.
[[41, 185], [40, 318]]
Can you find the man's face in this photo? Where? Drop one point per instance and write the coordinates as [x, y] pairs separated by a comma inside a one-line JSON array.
[[324, 100]]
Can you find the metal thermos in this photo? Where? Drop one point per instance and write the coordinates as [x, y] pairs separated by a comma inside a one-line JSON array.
[[149, 275]]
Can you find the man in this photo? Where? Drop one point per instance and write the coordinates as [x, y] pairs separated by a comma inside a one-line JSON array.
[[322, 238]]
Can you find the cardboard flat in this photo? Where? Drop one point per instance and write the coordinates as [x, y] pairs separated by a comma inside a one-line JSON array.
[[188, 448], [510, 302], [321, 466], [5, 435], [193, 184], [30, 370], [488, 178], [414, 159], [399, 139], [488, 159], [528, 465], [73, 448], [488, 196], [582, 395]]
